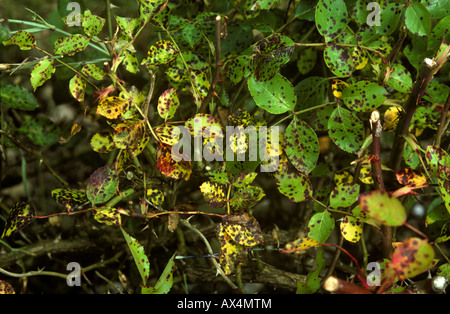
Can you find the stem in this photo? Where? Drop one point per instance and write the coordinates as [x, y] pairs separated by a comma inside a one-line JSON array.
[[442, 125], [336, 285], [217, 69]]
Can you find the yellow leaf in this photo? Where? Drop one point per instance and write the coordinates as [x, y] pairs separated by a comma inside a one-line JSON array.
[[351, 229], [337, 86], [299, 245], [112, 107]]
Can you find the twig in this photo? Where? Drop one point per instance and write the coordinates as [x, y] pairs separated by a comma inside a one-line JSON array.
[[442, 124], [216, 76], [336, 285]]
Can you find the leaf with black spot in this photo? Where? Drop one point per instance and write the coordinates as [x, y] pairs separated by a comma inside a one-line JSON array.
[[246, 197], [161, 52], [301, 146], [108, 215], [364, 96], [331, 18], [70, 199], [20, 216], [339, 60], [412, 257], [295, 186], [102, 184], [112, 107], [244, 229], [320, 226], [214, 194], [346, 130], [231, 253], [169, 167], [351, 229]]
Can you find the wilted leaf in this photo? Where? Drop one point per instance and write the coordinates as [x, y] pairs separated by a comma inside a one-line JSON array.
[[412, 257], [411, 178], [214, 194], [351, 229], [383, 207], [299, 245], [231, 253], [102, 184], [70, 199], [112, 107], [20, 216], [169, 167], [141, 260], [108, 215], [243, 229]]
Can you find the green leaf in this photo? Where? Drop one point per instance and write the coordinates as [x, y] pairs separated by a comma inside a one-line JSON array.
[[320, 226], [331, 18], [191, 34], [438, 8], [70, 45], [417, 19], [364, 96], [244, 179], [17, 97], [108, 215], [271, 53], [382, 207], [127, 25], [149, 8], [438, 160], [295, 186], [346, 130], [102, 184], [313, 279], [306, 60], [141, 260], [41, 72], [102, 142], [344, 195], [311, 92], [301, 146], [165, 281], [23, 39], [40, 130], [20, 216], [400, 79], [389, 19], [77, 87], [412, 257], [160, 52], [275, 95]]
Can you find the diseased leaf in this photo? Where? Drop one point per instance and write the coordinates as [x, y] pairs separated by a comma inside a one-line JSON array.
[[112, 107], [92, 70], [299, 245], [339, 60], [70, 45], [108, 215], [383, 207], [159, 53], [411, 178], [295, 186], [165, 281], [42, 72], [169, 167], [391, 118], [92, 24], [168, 103], [23, 39], [18, 97], [243, 229], [344, 195], [275, 95], [102, 184], [417, 19], [70, 199], [130, 134], [20, 216], [400, 79], [214, 194], [40, 130], [238, 68], [351, 229], [102, 142], [6, 288], [77, 87], [412, 257], [301, 146], [346, 130], [139, 256], [246, 197], [331, 18], [231, 253], [364, 96]]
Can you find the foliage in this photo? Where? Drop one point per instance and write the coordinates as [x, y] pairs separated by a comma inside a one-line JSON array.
[[360, 112]]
